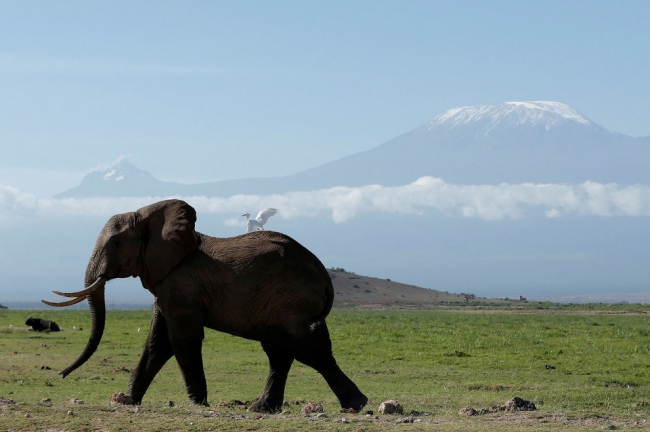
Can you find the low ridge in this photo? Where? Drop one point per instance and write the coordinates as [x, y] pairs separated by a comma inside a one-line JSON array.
[[356, 291]]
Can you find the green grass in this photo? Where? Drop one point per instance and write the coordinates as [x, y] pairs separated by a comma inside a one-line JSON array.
[[432, 361]]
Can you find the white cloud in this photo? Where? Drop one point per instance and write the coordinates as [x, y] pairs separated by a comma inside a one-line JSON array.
[[427, 194]]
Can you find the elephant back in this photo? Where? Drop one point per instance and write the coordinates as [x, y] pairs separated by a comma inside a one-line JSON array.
[[272, 263]]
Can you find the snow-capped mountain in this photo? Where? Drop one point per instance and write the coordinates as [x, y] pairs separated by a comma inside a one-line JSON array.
[[510, 114], [535, 112], [121, 179], [514, 142]]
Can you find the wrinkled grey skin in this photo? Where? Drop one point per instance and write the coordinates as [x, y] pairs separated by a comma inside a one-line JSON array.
[[262, 286]]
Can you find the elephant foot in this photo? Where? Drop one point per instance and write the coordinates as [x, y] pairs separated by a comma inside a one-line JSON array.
[[263, 406], [122, 399], [199, 404], [355, 404]]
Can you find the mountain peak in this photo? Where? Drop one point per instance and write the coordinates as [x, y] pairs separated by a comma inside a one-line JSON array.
[[117, 171], [511, 114], [120, 178]]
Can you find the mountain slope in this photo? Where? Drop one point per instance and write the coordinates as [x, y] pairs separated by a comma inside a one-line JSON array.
[[122, 179], [510, 142], [513, 142]]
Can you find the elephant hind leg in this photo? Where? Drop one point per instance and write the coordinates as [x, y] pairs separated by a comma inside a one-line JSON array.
[[280, 360], [316, 352]]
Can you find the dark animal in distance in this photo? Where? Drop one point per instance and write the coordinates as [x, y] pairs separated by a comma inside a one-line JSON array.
[[262, 286], [40, 324]]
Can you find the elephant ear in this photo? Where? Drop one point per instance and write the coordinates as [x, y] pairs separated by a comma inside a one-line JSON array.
[[169, 236]]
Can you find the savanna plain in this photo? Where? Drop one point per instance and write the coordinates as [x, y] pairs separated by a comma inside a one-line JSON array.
[[434, 362]]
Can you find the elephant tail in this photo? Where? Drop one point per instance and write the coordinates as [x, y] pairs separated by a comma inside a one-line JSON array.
[[329, 297]]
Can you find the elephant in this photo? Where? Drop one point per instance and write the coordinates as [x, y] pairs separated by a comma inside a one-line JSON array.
[[262, 286], [40, 324]]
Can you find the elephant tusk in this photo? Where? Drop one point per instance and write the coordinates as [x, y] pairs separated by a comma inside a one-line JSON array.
[[99, 282], [65, 303]]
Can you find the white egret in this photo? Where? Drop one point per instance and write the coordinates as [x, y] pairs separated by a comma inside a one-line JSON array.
[[257, 224]]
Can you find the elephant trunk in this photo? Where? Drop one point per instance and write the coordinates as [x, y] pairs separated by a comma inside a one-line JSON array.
[[94, 293], [98, 317], [98, 314]]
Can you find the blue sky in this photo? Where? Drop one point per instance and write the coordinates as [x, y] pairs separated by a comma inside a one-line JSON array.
[[202, 91], [206, 90]]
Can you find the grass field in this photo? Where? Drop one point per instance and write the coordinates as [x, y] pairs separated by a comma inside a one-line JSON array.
[[435, 362]]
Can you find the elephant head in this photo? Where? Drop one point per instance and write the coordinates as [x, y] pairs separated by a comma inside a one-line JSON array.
[[146, 243]]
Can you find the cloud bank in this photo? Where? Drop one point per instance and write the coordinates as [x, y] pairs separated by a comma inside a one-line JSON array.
[[425, 195]]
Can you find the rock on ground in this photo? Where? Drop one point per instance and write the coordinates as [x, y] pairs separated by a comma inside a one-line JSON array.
[[519, 404], [468, 411], [390, 407], [312, 408], [121, 399], [514, 404]]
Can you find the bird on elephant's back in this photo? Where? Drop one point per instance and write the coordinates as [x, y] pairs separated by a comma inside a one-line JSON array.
[[263, 286]]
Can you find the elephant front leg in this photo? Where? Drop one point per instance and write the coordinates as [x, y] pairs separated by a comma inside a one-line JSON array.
[[157, 351], [188, 355], [279, 364], [187, 340]]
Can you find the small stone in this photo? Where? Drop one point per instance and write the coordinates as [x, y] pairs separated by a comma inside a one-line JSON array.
[[312, 408], [169, 404], [191, 423], [46, 401], [70, 413], [136, 409], [405, 420], [390, 407], [368, 412], [321, 415], [95, 377], [468, 411], [76, 401], [285, 403], [121, 399], [27, 415]]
